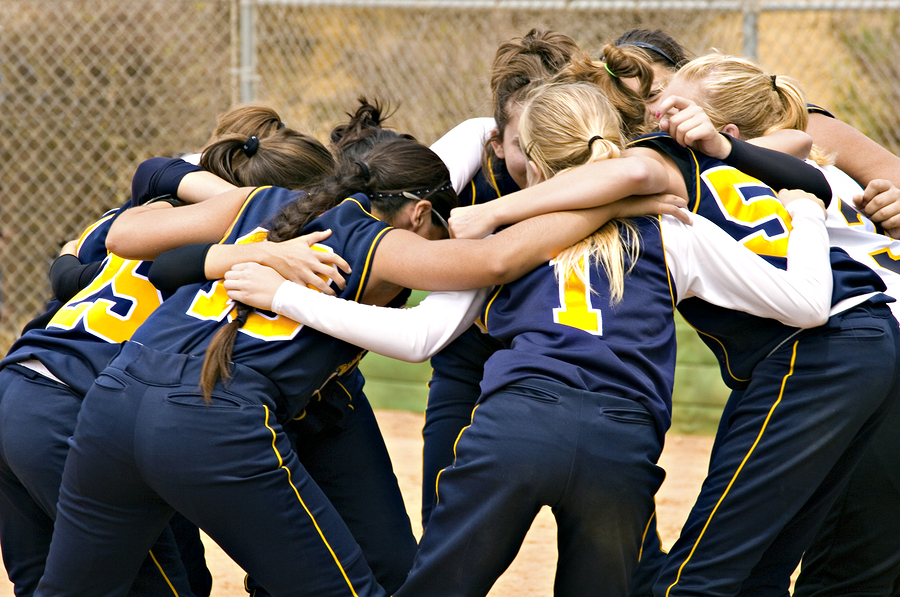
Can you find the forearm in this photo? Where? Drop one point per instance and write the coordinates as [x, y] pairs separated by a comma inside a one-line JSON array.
[[790, 141], [591, 185], [221, 258], [412, 335], [200, 186], [146, 231], [778, 170], [68, 276], [407, 260], [855, 153]]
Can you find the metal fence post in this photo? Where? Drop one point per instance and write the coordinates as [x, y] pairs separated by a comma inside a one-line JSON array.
[[750, 28], [248, 51]]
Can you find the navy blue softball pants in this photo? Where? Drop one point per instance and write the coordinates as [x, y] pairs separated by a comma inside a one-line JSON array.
[[146, 444], [590, 457], [784, 452], [857, 549], [452, 394], [37, 417], [340, 445]]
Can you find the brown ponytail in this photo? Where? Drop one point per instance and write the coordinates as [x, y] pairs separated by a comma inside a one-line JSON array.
[[217, 364], [608, 75]]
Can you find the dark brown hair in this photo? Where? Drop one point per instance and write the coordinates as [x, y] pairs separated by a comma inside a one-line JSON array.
[[661, 47], [251, 146], [383, 173]]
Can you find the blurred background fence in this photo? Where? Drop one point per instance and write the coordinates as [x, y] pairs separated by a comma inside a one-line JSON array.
[[90, 88]]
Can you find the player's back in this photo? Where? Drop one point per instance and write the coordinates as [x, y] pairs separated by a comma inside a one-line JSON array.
[[297, 359], [569, 332], [749, 211]]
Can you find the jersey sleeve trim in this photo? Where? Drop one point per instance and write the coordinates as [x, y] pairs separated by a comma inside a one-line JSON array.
[[364, 279], [684, 158], [487, 306], [662, 238], [90, 230], [241, 211]]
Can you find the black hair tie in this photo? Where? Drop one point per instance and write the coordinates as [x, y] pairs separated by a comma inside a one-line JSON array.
[[646, 46], [774, 86], [251, 146], [364, 170], [242, 315], [592, 139]]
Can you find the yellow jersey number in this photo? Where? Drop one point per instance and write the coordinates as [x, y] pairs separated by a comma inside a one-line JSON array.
[[575, 308], [132, 293], [215, 305], [728, 185]]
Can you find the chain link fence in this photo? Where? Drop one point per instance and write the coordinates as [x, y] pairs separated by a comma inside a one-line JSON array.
[[90, 88]]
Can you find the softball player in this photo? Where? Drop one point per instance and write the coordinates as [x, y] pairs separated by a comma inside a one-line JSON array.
[[42, 380], [573, 348], [856, 551], [58, 363], [458, 369], [252, 494], [771, 481]]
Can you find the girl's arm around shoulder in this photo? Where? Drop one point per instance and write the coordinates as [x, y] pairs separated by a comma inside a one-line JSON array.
[[855, 153], [408, 334], [413, 335], [146, 231], [591, 185], [707, 263], [407, 260]]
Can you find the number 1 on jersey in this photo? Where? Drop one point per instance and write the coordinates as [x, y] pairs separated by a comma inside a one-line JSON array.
[[575, 304]]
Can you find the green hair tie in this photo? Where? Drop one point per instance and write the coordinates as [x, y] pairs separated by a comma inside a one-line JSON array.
[[612, 74]]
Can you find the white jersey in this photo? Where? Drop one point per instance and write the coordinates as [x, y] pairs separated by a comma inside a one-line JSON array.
[[865, 242]]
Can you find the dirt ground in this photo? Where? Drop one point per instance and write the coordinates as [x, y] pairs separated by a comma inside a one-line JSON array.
[[531, 574]]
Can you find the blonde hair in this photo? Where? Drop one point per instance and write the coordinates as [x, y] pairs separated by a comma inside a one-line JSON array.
[[738, 91], [567, 124]]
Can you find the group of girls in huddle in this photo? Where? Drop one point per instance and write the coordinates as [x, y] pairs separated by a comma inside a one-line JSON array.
[[231, 397]]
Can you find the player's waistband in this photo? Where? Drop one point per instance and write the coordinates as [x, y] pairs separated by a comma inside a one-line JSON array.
[[38, 367], [156, 368]]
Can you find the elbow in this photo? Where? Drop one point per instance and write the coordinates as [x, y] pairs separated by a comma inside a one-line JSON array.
[[501, 268], [117, 243], [646, 176], [804, 145], [816, 312]]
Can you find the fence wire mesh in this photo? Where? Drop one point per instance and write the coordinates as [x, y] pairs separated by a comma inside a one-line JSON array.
[[90, 88]]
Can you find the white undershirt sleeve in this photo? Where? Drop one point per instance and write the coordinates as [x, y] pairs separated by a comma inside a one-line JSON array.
[[413, 334], [461, 149], [707, 263]]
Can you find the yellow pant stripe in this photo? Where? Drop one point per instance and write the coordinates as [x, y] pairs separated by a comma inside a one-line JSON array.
[[738, 471], [302, 503]]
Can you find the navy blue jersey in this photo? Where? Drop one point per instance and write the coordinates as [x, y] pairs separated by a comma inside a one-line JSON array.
[[298, 360], [76, 341], [749, 211], [488, 185], [570, 334]]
